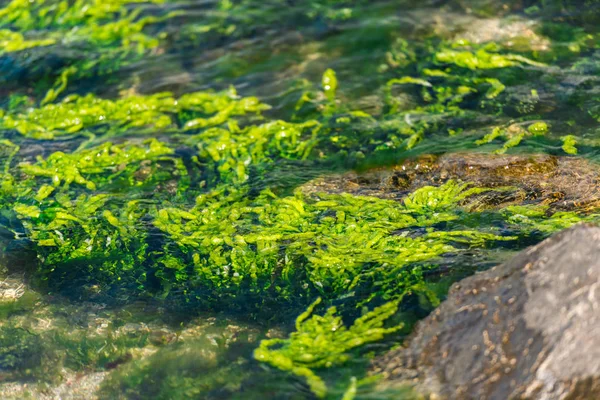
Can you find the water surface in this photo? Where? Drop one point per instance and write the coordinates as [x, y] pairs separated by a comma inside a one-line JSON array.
[[226, 199]]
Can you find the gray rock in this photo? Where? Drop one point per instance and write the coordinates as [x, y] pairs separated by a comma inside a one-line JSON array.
[[527, 329]]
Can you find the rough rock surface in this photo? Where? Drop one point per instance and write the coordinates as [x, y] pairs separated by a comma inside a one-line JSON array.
[[527, 329], [564, 183]]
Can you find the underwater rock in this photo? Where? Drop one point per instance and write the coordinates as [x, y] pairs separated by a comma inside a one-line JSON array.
[[513, 32], [518, 34], [528, 328], [75, 386], [564, 183], [53, 348]]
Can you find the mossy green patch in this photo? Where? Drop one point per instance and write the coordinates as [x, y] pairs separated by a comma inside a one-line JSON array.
[[207, 215], [76, 114], [323, 342], [14, 41], [106, 162], [482, 59], [569, 144], [230, 152], [22, 354], [539, 219], [186, 371], [515, 134], [331, 243], [87, 20]]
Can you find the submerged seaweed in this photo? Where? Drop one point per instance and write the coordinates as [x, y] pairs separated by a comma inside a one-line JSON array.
[[191, 198]]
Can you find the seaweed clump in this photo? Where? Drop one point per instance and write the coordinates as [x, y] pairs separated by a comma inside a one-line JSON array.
[[76, 114], [85, 20], [323, 342], [184, 199], [166, 238]]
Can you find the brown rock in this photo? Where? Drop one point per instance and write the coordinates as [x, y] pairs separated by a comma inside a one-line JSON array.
[[539, 340], [564, 183]]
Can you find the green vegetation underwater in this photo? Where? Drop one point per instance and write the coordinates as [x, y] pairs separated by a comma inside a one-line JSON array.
[[250, 199]]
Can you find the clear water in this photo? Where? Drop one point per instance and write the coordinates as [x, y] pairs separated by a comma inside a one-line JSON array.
[[70, 329]]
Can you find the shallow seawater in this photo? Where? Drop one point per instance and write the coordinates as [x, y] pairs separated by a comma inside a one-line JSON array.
[[244, 199]]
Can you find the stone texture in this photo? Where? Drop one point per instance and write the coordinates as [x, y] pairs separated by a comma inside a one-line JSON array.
[[527, 329], [564, 183]]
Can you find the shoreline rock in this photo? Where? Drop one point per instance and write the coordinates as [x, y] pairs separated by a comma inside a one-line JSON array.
[[526, 329], [563, 183]]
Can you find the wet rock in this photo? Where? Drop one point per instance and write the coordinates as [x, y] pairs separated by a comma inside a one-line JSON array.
[[74, 387], [527, 329], [53, 348], [564, 183], [519, 34]]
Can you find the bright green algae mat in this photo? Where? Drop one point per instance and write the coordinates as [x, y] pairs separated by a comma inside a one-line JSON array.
[[158, 236]]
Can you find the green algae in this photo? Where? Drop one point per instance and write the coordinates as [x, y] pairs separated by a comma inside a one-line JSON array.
[[109, 247], [40, 14], [13, 150], [85, 19], [14, 41], [460, 81], [569, 144], [108, 36], [538, 128], [332, 244], [230, 152], [538, 219], [514, 134], [60, 85], [323, 342], [201, 219], [76, 114], [329, 240], [324, 237], [197, 368], [482, 59], [330, 84], [435, 200], [87, 166]]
